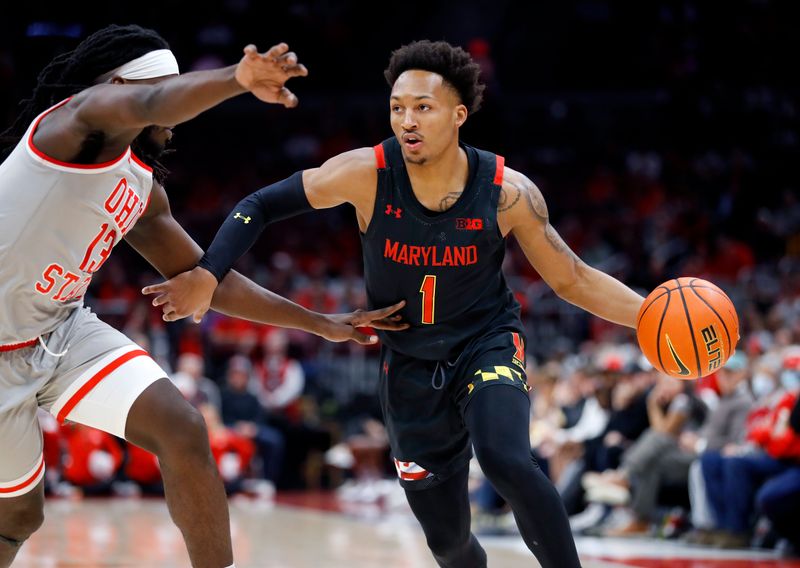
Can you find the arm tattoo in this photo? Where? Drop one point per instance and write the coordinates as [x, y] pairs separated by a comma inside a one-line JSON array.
[[533, 198], [559, 245], [503, 200], [536, 202], [449, 200]]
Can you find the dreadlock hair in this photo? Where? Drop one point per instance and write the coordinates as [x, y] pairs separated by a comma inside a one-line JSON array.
[[76, 70], [453, 63]]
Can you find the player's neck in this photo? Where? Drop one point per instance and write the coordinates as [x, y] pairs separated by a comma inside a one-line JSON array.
[[436, 179]]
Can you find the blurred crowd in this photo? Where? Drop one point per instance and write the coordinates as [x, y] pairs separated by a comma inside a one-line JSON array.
[[634, 452], [671, 159]]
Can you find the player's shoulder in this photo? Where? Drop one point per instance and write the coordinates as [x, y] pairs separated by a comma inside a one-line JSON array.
[[513, 179], [355, 161], [519, 196]]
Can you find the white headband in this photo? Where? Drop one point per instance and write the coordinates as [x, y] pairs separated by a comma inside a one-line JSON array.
[[156, 63]]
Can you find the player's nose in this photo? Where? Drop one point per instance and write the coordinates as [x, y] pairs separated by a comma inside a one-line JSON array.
[[409, 121]]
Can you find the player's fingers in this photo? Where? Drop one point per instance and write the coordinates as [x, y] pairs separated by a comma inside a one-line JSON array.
[[169, 313], [363, 338], [389, 326], [296, 71], [288, 59], [162, 299], [251, 51], [287, 98], [199, 315], [383, 312], [276, 51], [155, 288]]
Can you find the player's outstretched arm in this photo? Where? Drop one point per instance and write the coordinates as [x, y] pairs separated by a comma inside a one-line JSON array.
[[522, 211], [347, 178], [165, 244], [119, 112]]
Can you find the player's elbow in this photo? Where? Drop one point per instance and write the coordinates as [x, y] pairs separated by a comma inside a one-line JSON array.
[[577, 284], [565, 289], [570, 286]]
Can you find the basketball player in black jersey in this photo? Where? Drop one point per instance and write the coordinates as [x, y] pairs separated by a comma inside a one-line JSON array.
[[434, 214]]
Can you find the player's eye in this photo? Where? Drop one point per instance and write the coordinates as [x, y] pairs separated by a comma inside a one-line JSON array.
[[424, 107], [395, 108]]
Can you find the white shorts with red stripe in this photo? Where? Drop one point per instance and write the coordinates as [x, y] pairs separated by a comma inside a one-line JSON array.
[[94, 383]]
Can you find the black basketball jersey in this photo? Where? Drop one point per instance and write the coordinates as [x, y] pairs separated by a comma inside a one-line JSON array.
[[446, 265]]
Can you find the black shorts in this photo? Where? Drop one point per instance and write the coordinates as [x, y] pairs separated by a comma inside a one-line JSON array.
[[423, 402]]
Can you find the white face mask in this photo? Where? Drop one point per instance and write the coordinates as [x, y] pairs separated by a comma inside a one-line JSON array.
[[762, 385], [790, 380]]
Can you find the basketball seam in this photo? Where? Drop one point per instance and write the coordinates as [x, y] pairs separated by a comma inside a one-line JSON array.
[[658, 334], [652, 302], [691, 328], [719, 317], [719, 293]]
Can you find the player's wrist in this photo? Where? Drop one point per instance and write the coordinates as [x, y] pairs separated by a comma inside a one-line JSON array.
[[205, 277], [321, 325]]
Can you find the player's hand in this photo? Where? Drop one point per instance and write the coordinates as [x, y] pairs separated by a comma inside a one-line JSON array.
[[187, 294], [343, 327], [265, 74]]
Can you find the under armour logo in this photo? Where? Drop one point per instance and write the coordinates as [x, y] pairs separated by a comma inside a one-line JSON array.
[[242, 217], [392, 211], [386, 368]]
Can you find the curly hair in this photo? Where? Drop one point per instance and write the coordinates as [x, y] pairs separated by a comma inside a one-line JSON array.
[[453, 63], [76, 70]]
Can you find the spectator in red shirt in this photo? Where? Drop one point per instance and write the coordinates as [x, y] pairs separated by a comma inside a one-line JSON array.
[[745, 479], [92, 458]]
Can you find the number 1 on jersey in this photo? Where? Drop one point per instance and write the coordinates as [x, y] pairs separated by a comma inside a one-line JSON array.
[[428, 291]]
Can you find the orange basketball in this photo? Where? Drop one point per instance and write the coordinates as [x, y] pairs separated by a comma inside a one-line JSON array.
[[687, 328]]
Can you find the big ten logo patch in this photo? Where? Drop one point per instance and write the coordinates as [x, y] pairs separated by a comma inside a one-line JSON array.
[[466, 224]]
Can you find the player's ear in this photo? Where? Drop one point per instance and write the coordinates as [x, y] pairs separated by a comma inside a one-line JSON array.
[[461, 115]]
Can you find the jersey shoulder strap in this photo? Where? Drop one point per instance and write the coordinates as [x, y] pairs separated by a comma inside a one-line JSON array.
[[380, 156], [499, 168]]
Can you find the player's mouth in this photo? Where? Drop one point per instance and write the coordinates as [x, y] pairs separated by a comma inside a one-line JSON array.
[[412, 142]]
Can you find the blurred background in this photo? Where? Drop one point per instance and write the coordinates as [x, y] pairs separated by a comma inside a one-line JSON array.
[[665, 137]]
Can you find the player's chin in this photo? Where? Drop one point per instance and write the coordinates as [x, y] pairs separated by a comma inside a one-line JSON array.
[[416, 159]]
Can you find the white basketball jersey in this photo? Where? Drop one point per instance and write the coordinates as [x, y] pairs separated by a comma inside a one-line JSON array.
[[58, 224]]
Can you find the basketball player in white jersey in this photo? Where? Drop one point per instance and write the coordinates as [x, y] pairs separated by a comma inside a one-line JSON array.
[[82, 175]]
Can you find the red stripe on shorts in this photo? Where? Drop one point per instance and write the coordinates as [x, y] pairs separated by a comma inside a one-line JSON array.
[[99, 376], [25, 483]]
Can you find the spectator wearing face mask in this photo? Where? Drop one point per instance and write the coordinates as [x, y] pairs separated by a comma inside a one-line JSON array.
[[763, 474]]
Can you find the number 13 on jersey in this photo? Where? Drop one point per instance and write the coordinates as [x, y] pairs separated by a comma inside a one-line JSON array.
[[428, 291]]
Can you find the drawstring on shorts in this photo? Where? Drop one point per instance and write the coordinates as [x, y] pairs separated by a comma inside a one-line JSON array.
[[44, 346], [438, 371]]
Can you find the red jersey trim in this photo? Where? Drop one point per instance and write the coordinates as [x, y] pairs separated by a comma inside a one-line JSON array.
[[498, 172], [27, 482], [47, 158], [380, 158], [139, 162], [15, 346], [91, 383]]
